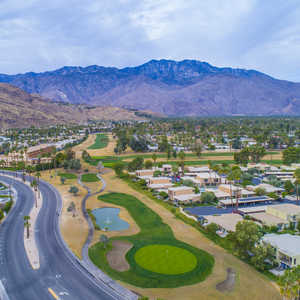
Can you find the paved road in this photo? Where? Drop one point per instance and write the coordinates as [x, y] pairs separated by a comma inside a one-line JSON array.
[[59, 270]]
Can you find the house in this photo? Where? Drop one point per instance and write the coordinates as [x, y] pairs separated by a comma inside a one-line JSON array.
[[179, 191], [159, 180], [192, 169], [267, 187], [286, 247], [226, 222], [167, 168], [189, 198], [159, 183], [142, 173], [39, 150], [235, 191], [287, 212], [269, 219], [210, 178]]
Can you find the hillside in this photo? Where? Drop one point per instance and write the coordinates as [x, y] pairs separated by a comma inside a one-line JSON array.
[[185, 88], [20, 109]]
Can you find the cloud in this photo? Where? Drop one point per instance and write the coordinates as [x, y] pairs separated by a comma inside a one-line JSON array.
[[41, 35]]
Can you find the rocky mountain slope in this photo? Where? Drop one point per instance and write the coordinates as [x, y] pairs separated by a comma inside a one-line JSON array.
[[186, 88], [20, 109]]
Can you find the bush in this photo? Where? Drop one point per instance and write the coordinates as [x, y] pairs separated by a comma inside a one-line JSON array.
[[212, 228], [207, 197]]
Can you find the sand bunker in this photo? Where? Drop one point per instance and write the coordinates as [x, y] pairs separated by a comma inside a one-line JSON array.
[[228, 284], [116, 257]]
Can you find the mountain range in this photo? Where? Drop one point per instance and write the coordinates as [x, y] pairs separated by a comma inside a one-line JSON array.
[[20, 109], [184, 88]]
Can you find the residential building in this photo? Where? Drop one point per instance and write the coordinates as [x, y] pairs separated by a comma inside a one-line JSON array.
[[286, 248], [179, 191]]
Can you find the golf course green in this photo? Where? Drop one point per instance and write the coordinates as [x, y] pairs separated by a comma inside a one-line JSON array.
[[165, 259]]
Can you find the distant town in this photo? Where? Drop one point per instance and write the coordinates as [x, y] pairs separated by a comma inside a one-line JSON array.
[[232, 182]]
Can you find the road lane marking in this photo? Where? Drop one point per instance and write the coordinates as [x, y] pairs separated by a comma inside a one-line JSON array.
[[53, 294]]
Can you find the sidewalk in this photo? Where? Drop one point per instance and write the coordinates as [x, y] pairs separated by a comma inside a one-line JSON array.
[[30, 243]]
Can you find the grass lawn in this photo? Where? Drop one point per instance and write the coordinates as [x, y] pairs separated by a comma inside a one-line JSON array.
[[68, 175], [156, 234], [165, 259], [90, 177], [100, 142]]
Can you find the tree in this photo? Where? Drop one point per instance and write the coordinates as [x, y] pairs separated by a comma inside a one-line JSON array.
[[260, 191], [104, 240], [119, 168], [154, 158], [289, 283], [136, 164], [242, 157], [1, 214], [297, 182], [256, 153], [62, 180], [181, 156], [148, 164], [291, 155], [246, 236], [27, 225], [198, 149], [260, 254], [289, 187], [212, 228], [207, 197], [74, 190]]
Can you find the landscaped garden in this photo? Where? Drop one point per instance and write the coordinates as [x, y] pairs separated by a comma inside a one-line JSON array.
[[101, 141], [89, 177], [157, 258]]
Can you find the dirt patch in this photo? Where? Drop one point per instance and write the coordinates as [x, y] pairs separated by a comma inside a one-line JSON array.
[[73, 226], [116, 257], [228, 284]]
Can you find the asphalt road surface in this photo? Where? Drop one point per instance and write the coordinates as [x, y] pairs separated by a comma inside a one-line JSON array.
[[59, 271]]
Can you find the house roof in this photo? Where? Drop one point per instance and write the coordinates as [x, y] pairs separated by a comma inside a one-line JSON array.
[[286, 243], [268, 219], [287, 208], [226, 221]]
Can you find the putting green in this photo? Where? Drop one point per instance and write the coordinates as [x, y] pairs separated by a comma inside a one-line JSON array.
[[165, 259]]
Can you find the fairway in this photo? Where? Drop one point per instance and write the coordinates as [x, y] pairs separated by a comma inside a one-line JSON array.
[[100, 142], [90, 177], [165, 259]]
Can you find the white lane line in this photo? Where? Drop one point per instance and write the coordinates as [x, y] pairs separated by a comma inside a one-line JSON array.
[[3, 294]]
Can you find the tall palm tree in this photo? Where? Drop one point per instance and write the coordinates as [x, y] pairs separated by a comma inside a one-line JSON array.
[[27, 224], [297, 182]]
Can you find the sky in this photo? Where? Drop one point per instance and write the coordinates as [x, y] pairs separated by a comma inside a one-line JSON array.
[[38, 35]]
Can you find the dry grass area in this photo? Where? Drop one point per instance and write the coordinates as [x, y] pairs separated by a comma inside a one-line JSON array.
[[83, 146], [249, 283], [93, 203], [107, 151], [116, 256], [73, 226]]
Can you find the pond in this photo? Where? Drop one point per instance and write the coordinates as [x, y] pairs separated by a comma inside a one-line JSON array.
[[108, 217]]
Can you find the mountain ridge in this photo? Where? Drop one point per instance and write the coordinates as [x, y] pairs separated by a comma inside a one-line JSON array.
[[19, 109], [174, 88]]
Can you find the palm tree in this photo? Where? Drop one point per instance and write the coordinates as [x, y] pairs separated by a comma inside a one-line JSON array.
[[237, 174], [297, 182], [182, 158], [27, 224], [154, 158]]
